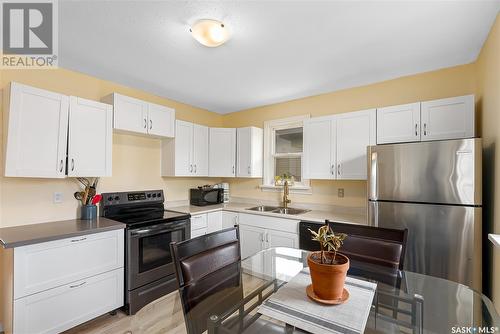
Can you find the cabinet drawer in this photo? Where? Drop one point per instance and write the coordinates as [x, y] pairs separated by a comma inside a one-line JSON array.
[[197, 233], [47, 265], [198, 222], [268, 222], [61, 308]]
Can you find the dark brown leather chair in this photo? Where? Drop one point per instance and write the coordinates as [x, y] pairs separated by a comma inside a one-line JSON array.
[[209, 276]]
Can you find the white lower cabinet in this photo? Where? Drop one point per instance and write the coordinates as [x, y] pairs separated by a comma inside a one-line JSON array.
[[61, 308], [281, 239], [251, 240], [198, 225], [229, 219], [59, 284], [214, 221]]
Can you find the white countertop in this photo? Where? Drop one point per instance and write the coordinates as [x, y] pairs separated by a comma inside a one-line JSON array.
[[345, 215]]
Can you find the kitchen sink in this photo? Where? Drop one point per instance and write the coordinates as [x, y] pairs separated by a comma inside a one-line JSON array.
[[277, 209]]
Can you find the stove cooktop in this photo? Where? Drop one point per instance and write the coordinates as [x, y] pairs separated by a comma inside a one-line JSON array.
[[151, 217]]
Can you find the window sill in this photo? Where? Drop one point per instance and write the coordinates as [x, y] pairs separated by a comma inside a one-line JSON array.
[[294, 190]]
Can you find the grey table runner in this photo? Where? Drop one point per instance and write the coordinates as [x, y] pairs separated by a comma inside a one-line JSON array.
[[292, 306]]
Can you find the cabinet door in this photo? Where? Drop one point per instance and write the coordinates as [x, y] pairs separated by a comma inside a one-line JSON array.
[[319, 148], [90, 138], [249, 152], [183, 148], [229, 219], [355, 131], [200, 150], [64, 307], [398, 124], [222, 152], [161, 120], [37, 131], [281, 239], [130, 114], [450, 118], [251, 240], [214, 221]]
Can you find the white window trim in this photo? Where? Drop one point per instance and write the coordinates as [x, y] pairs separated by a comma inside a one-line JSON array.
[[268, 173]]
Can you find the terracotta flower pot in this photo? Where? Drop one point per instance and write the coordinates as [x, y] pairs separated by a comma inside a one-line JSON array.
[[328, 279]]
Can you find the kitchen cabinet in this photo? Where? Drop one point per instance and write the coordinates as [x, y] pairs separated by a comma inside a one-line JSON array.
[[281, 239], [355, 132], [320, 148], [249, 152], [222, 152], [90, 138], [140, 117], [398, 124], [335, 146], [229, 219], [52, 135], [449, 118], [214, 221], [37, 128], [251, 240], [187, 153], [56, 285]]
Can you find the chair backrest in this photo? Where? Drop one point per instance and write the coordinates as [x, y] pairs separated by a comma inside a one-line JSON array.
[[208, 275], [381, 246]]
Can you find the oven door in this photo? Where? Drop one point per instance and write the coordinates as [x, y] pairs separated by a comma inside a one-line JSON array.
[[148, 251]]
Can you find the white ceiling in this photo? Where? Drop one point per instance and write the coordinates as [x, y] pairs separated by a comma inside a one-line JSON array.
[[279, 50]]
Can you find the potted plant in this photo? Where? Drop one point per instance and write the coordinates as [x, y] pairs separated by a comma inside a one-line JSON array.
[[328, 268]]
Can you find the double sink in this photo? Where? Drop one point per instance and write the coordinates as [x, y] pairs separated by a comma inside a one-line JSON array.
[[278, 209]]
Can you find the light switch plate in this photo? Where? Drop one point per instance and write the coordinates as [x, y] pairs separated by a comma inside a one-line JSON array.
[[340, 192], [58, 197]]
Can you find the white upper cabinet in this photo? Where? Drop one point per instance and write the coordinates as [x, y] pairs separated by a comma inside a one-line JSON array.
[[398, 124], [355, 131], [187, 153], [249, 148], [200, 150], [449, 118], [320, 148], [137, 116], [37, 124], [161, 120], [90, 138], [222, 152]]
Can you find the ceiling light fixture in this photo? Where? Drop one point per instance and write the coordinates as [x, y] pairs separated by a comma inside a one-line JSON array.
[[210, 33]]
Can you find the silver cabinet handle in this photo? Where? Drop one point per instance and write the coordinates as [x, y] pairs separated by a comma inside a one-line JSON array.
[[195, 168], [72, 164], [338, 169], [145, 123], [267, 237], [332, 169], [150, 124], [249, 170], [190, 168], [416, 129], [233, 169], [61, 165], [262, 237], [425, 129], [78, 240], [77, 285]]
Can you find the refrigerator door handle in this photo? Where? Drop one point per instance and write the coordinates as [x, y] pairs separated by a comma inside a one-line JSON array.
[[373, 177], [373, 214]]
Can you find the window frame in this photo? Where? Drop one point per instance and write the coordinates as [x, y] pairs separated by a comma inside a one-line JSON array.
[[270, 128]]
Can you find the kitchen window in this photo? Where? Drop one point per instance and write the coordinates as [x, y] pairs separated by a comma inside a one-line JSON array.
[[283, 147]]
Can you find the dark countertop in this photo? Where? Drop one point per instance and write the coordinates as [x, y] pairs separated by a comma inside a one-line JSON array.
[[36, 233]]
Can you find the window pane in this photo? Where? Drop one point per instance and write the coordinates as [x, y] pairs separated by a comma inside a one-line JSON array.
[[289, 140], [289, 166]]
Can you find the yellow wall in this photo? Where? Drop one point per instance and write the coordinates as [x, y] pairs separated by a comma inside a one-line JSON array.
[[136, 160], [488, 96], [448, 82]]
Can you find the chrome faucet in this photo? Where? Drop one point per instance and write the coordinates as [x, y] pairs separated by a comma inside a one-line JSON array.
[[286, 193]]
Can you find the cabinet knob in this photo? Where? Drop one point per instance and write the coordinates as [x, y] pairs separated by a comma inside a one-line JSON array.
[[425, 129], [338, 169], [195, 168], [332, 169], [416, 129], [150, 124], [72, 164], [145, 123], [190, 168], [61, 165]]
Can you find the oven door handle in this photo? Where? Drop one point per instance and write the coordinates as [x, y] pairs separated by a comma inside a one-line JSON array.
[[152, 231]]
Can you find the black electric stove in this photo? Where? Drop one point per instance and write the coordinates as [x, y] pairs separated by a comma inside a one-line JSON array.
[[149, 271]]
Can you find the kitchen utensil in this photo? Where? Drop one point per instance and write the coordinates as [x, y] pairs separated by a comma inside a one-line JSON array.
[[96, 199], [79, 195], [90, 194]]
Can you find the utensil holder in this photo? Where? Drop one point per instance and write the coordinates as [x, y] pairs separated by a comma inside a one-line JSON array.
[[89, 212]]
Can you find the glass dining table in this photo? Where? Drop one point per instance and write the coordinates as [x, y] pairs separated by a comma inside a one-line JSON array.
[[405, 302]]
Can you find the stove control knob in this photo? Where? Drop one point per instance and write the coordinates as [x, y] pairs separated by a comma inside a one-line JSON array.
[[149, 195], [154, 195], [117, 198], [159, 194], [110, 198]]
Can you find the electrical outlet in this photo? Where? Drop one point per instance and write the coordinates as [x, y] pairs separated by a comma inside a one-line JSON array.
[[340, 192], [58, 197]]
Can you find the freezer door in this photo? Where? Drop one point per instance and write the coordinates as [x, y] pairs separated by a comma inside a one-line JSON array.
[[445, 172], [443, 240]]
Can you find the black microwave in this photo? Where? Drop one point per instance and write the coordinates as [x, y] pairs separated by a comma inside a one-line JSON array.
[[206, 196]]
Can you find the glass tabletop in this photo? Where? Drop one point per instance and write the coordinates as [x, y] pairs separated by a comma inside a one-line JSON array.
[[227, 301]]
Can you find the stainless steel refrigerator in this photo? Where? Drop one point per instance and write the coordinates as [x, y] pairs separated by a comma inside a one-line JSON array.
[[434, 190]]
